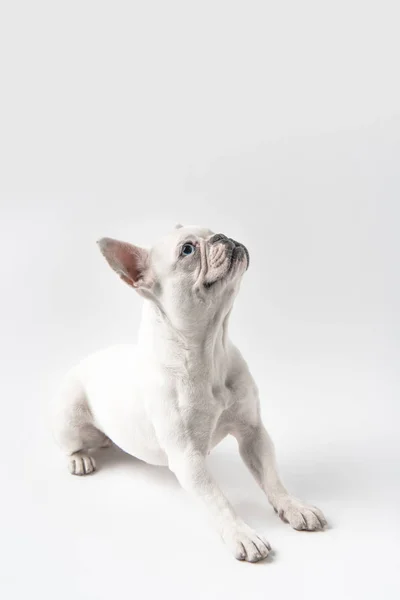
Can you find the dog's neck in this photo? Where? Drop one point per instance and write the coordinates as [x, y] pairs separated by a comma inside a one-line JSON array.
[[199, 347]]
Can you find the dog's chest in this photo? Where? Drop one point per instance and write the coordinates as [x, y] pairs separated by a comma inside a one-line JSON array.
[[223, 407], [223, 426]]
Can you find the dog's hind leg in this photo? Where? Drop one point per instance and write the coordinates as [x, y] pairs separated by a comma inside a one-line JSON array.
[[74, 428]]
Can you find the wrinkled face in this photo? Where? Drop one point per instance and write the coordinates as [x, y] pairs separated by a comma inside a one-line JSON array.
[[191, 273], [197, 259]]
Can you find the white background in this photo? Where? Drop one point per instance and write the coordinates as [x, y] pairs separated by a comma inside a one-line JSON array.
[[278, 124]]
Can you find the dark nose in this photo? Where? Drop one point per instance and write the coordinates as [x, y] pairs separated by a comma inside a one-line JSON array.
[[233, 244], [219, 237]]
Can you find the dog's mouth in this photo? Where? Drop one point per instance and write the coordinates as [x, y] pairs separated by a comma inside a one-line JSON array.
[[240, 253]]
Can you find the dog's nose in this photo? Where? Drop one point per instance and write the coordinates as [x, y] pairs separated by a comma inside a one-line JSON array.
[[218, 237], [232, 244]]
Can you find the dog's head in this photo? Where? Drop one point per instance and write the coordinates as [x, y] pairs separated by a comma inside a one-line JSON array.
[[191, 273]]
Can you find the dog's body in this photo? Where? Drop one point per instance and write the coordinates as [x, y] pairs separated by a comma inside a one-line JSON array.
[[184, 387]]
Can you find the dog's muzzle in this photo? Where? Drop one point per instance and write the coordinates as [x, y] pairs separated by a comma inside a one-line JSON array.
[[238, 250]]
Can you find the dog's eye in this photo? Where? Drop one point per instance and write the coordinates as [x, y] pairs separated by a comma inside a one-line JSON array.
[[187, 249]]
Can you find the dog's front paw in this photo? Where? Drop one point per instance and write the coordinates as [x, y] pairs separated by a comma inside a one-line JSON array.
[[300, 516], [246, 544]]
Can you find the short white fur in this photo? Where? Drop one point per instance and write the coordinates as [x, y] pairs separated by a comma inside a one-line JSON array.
[[184, 387]]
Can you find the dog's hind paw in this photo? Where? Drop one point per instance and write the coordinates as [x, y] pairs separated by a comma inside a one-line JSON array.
[[81, 463]]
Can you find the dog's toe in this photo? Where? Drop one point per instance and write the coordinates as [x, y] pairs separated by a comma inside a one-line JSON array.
[[81, 464], [300, 516], [246, 544]]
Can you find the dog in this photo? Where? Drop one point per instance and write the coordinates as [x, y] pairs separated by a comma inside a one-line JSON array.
[[184, 387]]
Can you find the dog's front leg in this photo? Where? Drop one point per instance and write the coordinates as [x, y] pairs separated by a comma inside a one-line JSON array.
[[191, 470], [257, 451]]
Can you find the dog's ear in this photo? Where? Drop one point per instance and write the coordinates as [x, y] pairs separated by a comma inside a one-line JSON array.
[[130, 262], [178, 226]]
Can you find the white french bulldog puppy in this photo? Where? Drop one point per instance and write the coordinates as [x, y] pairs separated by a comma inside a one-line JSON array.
[[176, 394]]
